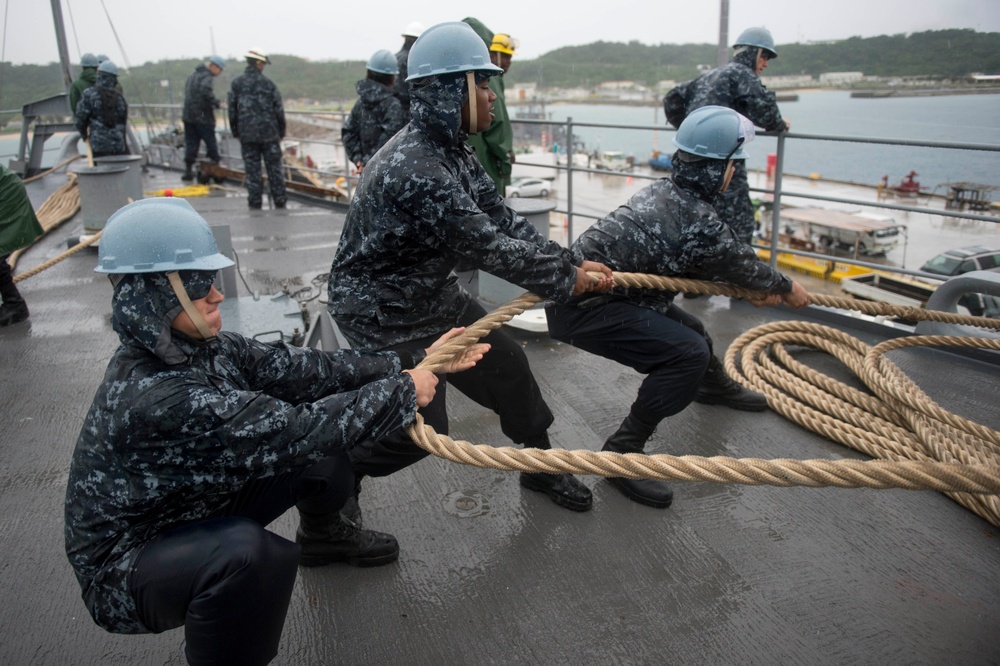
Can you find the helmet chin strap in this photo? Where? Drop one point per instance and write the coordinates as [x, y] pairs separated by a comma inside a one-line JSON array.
[[189, 308], [470, 79]]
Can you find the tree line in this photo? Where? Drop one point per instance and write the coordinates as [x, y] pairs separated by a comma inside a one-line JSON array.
[[936, 54]]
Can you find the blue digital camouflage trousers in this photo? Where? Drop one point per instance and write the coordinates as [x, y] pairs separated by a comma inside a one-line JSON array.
[[270, 152]]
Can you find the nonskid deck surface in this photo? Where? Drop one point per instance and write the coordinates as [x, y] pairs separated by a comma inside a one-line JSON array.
[[490, 573]]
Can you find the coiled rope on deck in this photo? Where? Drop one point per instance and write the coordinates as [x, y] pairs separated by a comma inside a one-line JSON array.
[[917, 448]]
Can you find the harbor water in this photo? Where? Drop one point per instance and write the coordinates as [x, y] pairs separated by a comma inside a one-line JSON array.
[[973, 119]]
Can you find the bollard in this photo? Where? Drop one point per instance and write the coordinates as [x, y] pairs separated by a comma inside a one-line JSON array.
[[133, 178], [103, 190]]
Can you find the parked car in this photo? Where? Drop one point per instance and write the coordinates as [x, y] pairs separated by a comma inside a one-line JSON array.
[[529, 187], [963, 260]]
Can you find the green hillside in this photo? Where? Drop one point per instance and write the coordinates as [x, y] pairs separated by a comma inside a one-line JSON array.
[[938, 55]]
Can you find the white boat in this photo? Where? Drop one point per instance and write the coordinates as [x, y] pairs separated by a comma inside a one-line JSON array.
[[613, 160], [868, 233]]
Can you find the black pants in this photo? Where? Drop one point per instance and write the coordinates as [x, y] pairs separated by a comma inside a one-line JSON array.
[[228, 580], [502, 382], [194, 134], [672, 350]]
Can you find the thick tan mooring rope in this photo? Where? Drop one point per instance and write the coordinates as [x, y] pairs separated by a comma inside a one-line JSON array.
[[918, 445]]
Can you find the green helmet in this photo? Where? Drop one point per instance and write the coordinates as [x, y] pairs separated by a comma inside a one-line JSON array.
[[449, 48]]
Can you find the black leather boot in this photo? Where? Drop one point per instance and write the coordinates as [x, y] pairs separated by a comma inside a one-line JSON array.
[[14, 309], [563, 489], [631, 437], [718, 388], [328, 538], [12, 313], [188, 173], [351, 511]]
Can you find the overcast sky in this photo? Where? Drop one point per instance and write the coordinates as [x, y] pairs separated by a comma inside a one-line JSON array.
[[354, 29]]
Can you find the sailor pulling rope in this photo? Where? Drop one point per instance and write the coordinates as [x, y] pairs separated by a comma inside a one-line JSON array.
[[944, 452]]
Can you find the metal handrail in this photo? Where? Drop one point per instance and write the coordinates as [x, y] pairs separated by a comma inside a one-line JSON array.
[[777, 192]]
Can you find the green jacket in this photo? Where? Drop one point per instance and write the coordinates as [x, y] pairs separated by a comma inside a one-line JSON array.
[[86, 79], [18, 224], [494, 146]]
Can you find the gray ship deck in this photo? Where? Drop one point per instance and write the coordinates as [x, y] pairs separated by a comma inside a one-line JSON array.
[[729, 574]]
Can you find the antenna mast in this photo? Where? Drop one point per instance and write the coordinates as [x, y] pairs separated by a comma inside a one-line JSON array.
[[57, 19], [722, 55]]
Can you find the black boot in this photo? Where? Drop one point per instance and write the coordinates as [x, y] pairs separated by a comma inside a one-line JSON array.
[[188, 173], [718, 388], [563, 489], [329, 538], [351, 511], [12, 313], [631, 437], [14, 309]]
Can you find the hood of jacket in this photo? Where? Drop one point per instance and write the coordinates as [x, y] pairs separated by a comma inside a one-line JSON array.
[[143, 307], [703, 178], [436, 106], [372, 92], [747, 58], [480, 28], [105, 80]]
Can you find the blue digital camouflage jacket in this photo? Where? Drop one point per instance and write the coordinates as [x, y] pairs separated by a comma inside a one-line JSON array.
[[255, 111], [735, 85], [101, 116], [178, 426], [200, 101], [669, 228], [375, 118], [423, 204]]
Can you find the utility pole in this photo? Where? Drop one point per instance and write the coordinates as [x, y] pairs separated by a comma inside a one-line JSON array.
[[61, 43], [722, 55]]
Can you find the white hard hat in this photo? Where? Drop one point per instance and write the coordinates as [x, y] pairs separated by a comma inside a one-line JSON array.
[[258, 54], [414, 29]]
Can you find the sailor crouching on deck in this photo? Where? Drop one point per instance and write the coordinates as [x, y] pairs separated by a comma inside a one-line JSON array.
[[423, 205], [197, 439], [668, 228]]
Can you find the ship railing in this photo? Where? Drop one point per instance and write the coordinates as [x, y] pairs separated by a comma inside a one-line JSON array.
[[338, 165], [776, 192], [333, 120]]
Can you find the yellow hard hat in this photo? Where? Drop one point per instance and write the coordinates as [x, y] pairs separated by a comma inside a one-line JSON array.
[[504, 44]]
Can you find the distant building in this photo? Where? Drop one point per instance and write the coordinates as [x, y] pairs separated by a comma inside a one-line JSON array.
[[840, 78], [789, 81], [985, 78], [521, 92], [619, 86], [666, 85]]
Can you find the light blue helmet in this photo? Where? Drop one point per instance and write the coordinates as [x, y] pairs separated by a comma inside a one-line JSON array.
[[383, 62], [108, 67], [449, 48], [158, 236], [715, 132], [759, 37], [101, 58], [218, 61], [89, 60]]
